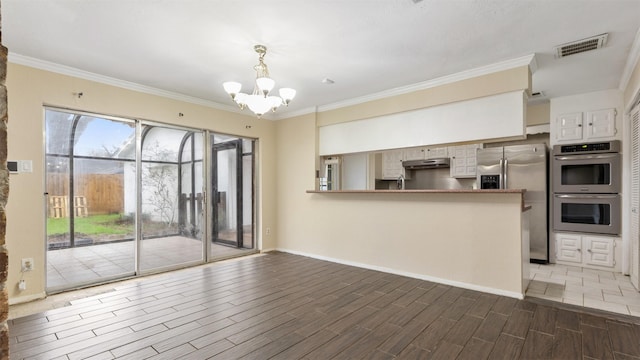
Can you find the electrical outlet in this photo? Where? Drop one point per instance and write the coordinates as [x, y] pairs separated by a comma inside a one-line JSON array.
[[27, 264], [268, 231]]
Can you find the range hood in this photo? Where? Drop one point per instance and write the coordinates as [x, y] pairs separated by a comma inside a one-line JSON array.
[[426, 164]]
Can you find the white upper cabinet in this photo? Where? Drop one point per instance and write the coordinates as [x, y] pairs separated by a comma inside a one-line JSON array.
[[440, 152], [601, 124], [423, 153], [569, 127], [463, 160], [585, 126], [392, 164], [415, 153]]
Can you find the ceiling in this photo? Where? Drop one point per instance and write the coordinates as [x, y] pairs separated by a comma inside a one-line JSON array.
[[190, 47]]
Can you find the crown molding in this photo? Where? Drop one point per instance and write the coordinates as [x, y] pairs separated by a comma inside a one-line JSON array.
[[632, 61], [86, 75], [291, 114], [528, 60]]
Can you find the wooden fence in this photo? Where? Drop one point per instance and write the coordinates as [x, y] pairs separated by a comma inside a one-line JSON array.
[[95, 194]]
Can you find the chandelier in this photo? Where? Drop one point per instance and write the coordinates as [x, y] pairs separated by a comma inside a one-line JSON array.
[[259, 101]]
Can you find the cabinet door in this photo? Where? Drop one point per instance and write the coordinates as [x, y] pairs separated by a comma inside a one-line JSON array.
[[599, 250], [392, 164], [569, 127], [600, 124], [463, 160], [414, 154], [569, 248], [440, 152], [472, 163]]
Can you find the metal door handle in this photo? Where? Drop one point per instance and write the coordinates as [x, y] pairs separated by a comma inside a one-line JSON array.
[[504, 171], [585, 196], [586, 157]]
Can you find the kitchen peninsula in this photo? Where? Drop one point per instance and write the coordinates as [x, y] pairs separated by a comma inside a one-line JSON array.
[[475, 239]]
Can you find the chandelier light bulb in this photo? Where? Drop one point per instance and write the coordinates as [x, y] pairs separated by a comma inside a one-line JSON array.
[[232, 88], [260, 102], [287, 95], [241, 99], [275, 102], [265, 85]]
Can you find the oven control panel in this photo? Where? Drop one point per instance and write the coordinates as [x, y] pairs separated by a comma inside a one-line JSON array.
[[589, 148]]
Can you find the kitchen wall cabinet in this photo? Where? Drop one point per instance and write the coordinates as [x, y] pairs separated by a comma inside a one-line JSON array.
[[439, 152], [392, 164], [585, 250], [585, 126], [423, 153], [415, 153], [463, 160]]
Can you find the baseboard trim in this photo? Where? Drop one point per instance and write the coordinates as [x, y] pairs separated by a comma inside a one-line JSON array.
[[459, 284], [27, 298]]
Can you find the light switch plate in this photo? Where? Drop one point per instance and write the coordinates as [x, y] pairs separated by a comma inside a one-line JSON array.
[[26, 166]]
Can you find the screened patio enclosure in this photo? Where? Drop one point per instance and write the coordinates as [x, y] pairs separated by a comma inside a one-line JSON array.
[[126, 197]]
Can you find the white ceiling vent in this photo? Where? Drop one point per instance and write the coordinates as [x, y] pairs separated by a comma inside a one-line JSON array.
[[576, 47]]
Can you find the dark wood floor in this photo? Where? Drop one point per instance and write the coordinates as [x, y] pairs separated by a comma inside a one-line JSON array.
[[282, 306]]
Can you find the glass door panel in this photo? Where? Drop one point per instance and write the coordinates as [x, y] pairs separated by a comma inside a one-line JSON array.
[[171, 198], [90, 232], [233, 206], [226, 172]]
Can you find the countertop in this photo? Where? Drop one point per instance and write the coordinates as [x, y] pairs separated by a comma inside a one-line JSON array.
[[431, 191]]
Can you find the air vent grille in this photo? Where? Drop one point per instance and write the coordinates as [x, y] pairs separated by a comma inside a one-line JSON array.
[[581, 46]]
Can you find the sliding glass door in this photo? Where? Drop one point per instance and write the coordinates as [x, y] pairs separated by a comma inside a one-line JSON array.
[[127, 197], [90, 221], [172, 198]]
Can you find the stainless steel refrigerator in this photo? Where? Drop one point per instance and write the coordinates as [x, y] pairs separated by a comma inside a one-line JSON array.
[[521, 167]]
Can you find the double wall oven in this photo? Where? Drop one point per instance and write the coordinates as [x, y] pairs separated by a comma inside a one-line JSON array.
[[586, 187]]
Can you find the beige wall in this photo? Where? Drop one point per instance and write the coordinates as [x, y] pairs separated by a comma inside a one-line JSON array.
[[518, 78], [400, 233], [297, 221], [538, 114], [446, 237], [30, 88]]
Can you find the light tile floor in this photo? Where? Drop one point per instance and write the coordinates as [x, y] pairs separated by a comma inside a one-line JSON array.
[[84, 265], [603, 290]]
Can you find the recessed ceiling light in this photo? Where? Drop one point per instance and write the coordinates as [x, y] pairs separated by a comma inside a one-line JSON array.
[[327, 81]]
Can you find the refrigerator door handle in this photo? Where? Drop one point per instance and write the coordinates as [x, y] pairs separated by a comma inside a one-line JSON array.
[[505, 164]]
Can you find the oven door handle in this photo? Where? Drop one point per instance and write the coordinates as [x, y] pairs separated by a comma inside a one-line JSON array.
[[584, 196], [586, 157]]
